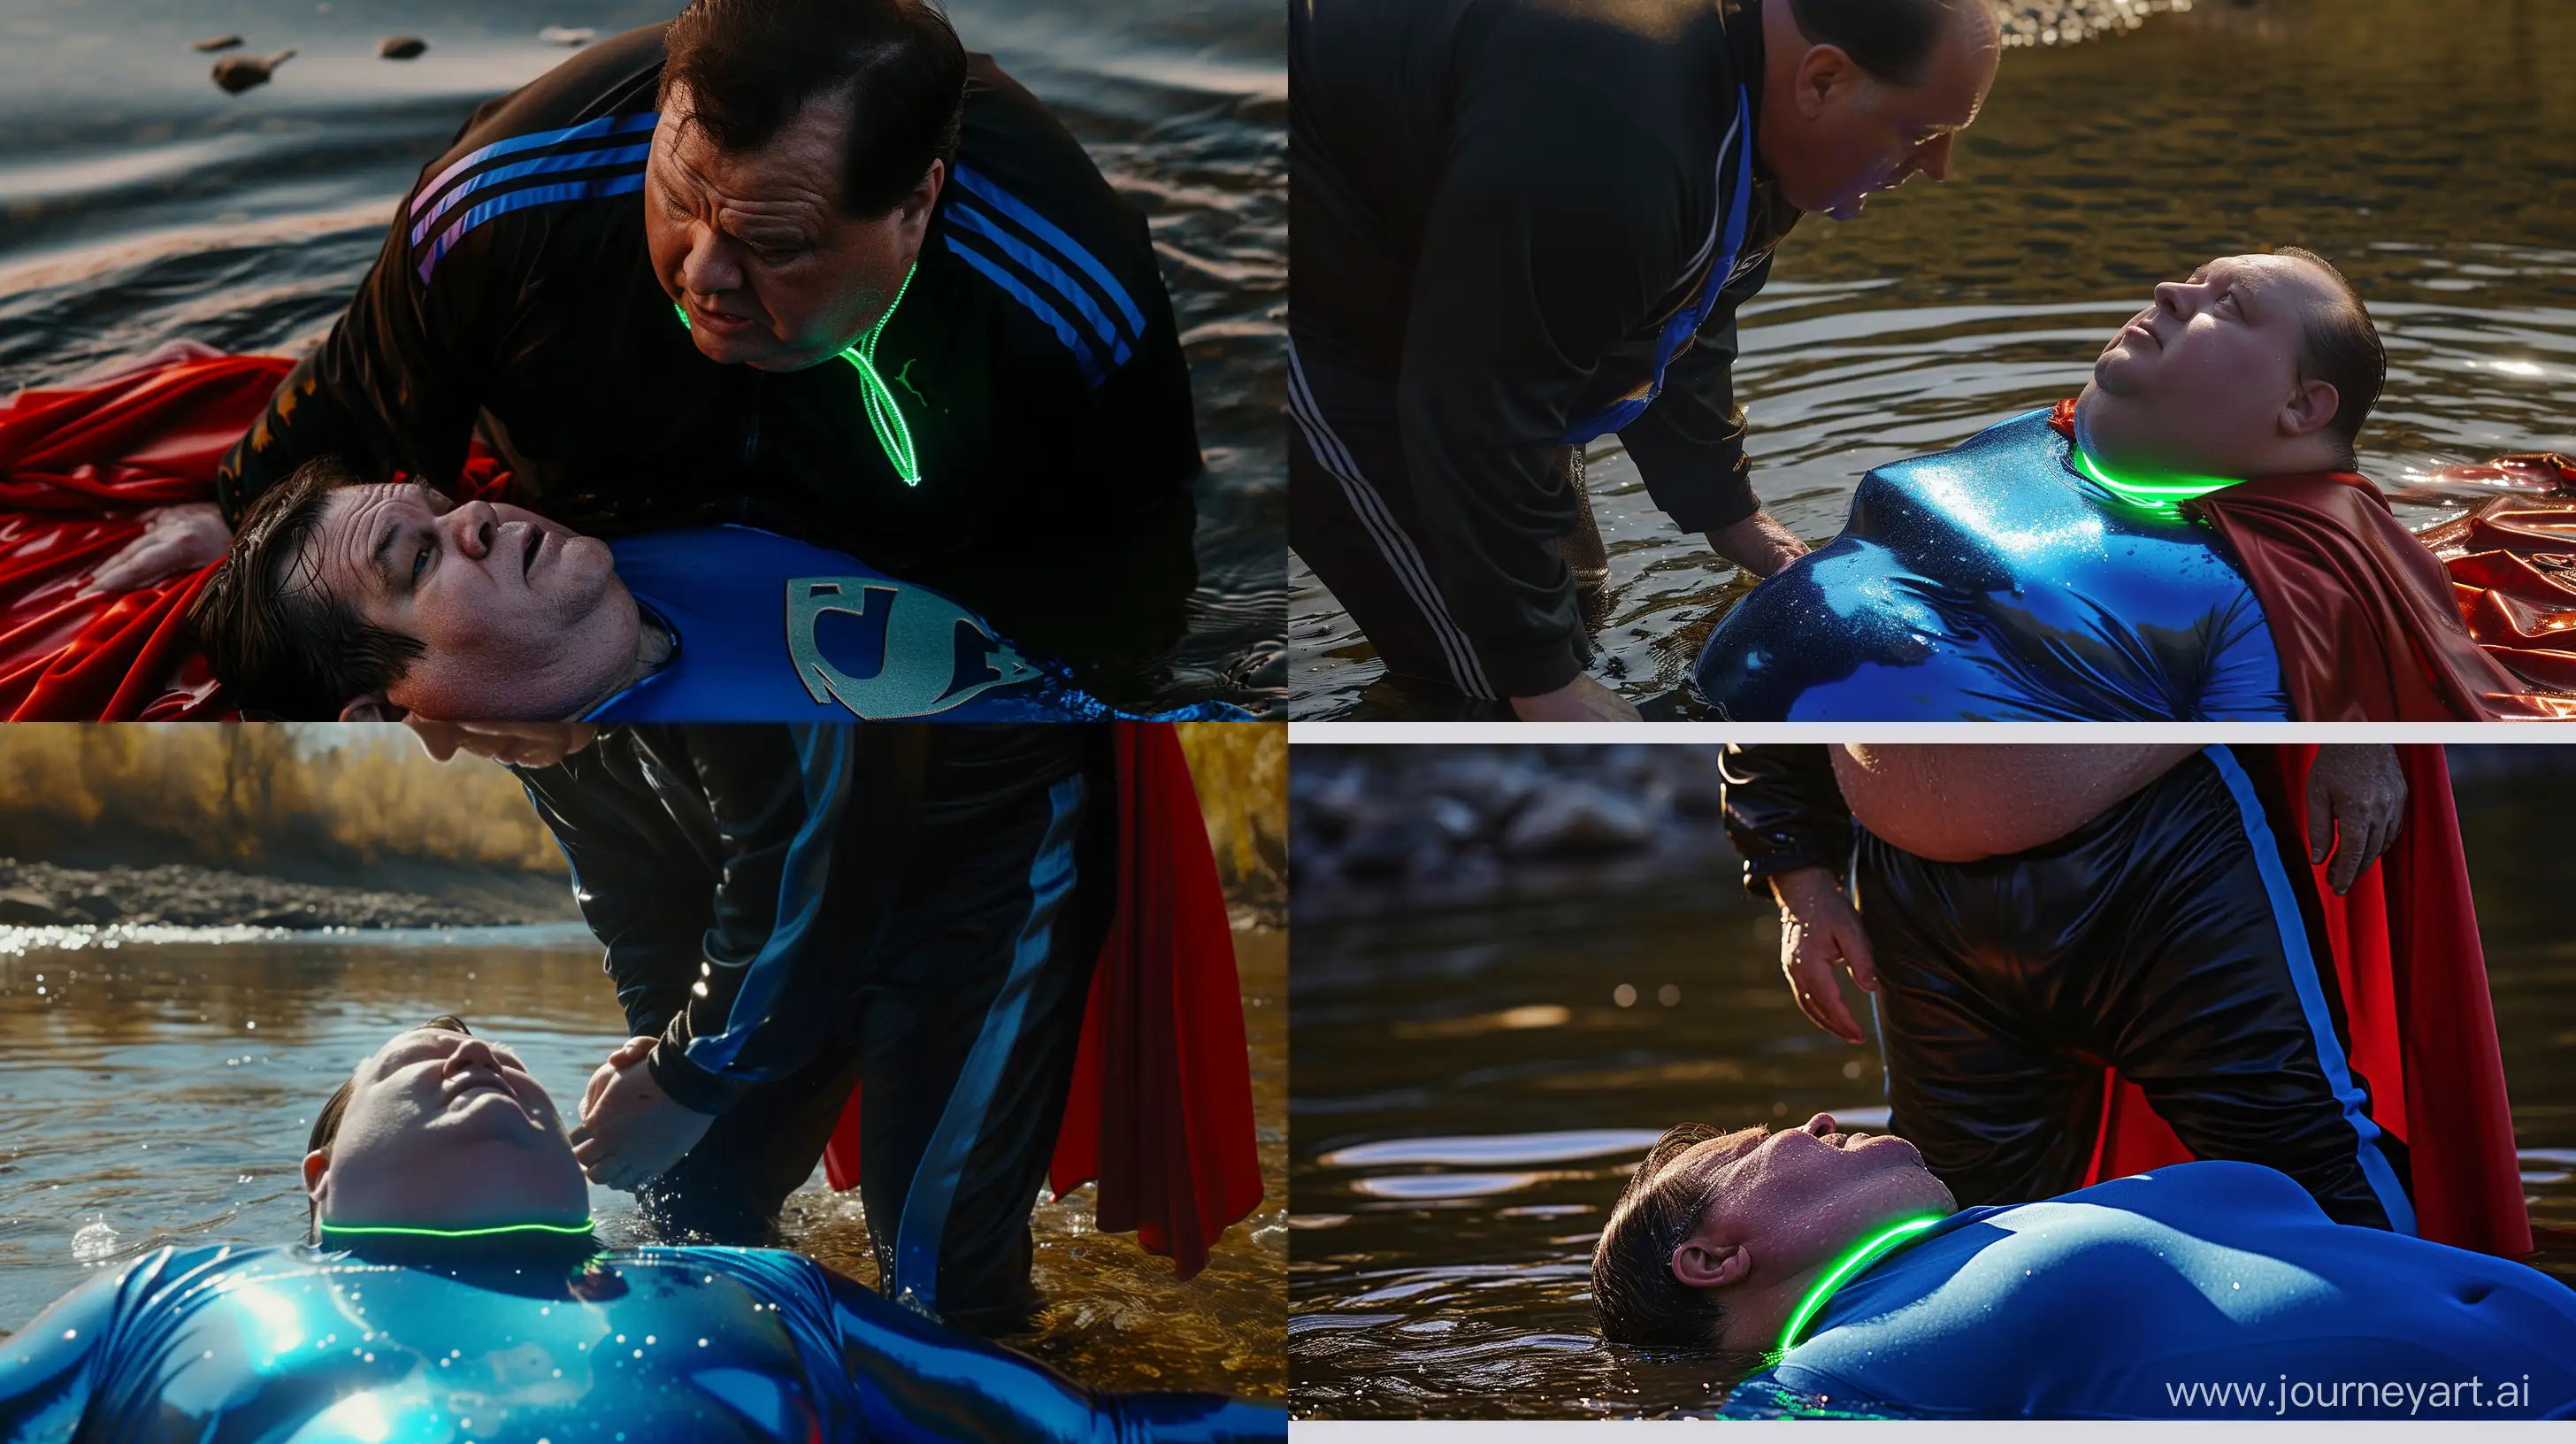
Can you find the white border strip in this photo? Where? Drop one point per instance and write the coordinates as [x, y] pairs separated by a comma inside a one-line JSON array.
[[2056, 733]]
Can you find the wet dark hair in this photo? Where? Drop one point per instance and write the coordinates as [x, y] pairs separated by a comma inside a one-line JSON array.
[[750, 65], [273, 636], [1892, 40], [326, 1124], [1635, 1298], [2343, 350]]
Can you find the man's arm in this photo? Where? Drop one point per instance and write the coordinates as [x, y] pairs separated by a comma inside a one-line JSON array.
[[1689, 445], [397, 384], [1785, 815], [811, 824], [649, 905], [1783, 811]]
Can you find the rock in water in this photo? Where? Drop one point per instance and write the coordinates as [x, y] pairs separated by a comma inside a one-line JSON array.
[[215, 42], [1574, 818], [401, 47], [27, 907], [567, 35], [237, 73]]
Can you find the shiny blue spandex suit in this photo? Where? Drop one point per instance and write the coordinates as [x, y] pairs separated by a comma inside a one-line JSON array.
[[708, 1345], [1994, 581]]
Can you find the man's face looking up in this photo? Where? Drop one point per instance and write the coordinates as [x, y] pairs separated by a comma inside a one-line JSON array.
[[519, 618], [1832, 133], [446, 1131], [756, 247], [2206, 379]]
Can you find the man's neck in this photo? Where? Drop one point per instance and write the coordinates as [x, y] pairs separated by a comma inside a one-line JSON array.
[[2142, 461], [654, 648]]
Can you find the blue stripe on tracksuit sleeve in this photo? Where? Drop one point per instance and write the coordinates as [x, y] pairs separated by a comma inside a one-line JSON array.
[[962, 214], [1010, 205], [561, 160], [1064, 330], [2312, 999], [824, 758], [605, 125]]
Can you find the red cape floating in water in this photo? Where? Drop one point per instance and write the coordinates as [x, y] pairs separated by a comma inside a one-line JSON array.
[[1161, 1106], [2421, 1023], [2369, 626]]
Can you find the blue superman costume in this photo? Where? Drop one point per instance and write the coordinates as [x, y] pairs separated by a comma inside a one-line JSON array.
[[413, 1344], [79, 465], [2204, 1290], [2006, 579], [766, 628]]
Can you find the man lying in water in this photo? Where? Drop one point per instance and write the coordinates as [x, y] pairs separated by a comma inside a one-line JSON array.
[[365, 601], [456, 1292], [2097, 562], [1839, 1266]]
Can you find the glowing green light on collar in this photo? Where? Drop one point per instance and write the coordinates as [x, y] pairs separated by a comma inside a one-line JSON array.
[[883, 414], [1870, 1251], [2164, 495], [572, 1229]]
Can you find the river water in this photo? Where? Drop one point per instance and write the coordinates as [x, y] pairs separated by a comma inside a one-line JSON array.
[[1475, 1083], [139, 203], [160, 1092], [2427, 147]]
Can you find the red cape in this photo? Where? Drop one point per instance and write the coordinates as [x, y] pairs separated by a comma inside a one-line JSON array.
[[2414, 982], [1161, 1107], [78, 467], [2362, 614]]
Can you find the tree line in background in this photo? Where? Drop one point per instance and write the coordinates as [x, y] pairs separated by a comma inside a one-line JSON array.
[[279, 793]]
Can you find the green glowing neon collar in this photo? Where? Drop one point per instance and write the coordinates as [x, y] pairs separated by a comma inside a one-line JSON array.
[[1869, 1251], [370, 1230], [883, 415], [2164, 494]]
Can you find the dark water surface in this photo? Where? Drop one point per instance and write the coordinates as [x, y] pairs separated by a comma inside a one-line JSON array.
[[2427, 147], [139, 203], [1472, 1091], [160, 1093]]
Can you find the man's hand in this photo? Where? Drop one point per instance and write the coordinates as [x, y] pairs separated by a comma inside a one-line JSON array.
[[1758, 544], [630, 1129], [1817, 930], [2356, 801], [175, 540], [1581, 700], [513, 744]]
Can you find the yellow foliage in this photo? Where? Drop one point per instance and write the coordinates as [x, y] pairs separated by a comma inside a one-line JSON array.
[[1241, 770], [240, 794]]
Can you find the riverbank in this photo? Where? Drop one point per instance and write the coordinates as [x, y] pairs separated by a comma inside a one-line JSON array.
[[42, 894]]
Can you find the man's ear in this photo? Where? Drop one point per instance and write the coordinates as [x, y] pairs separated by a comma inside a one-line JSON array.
[[373, 708], [2310, 409], [1700, 1264], [912, 213], [317, 1172], [1823, 70]]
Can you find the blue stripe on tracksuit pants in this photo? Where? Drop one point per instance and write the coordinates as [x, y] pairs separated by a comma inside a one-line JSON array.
[[2173, 938], [960, 1031]]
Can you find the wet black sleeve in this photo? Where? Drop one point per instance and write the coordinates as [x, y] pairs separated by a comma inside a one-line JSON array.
[[643, 889], [396, 386], [1784, 811], [1689, 446], [808, 829]]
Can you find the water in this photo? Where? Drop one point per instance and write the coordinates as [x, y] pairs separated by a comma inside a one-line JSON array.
[[1471, 1095], [161, 1092], [2427, 147], [139, 203]]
